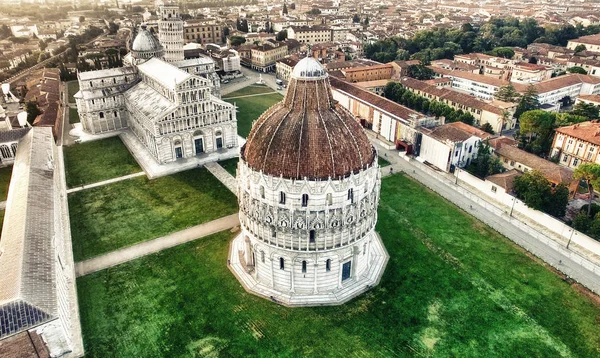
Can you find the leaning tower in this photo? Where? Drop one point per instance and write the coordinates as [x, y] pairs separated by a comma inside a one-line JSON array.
[[170, 31], [308, 189]]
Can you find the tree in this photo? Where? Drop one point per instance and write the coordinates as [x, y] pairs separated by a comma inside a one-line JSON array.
[[538, 124], [507, 94], [314, 11], [225, 31], [590, 173], [32, 110], [236, 40], [285, 9], [537, 193], [577, 69], [356, 19], [281, 35], [366, 22], [112, 28], [42, 45], [485, 164], [580, 47], [244, 25], [420, 72], [586, 110], [81, 19], [488, 128], [529, 101], [505, 52]]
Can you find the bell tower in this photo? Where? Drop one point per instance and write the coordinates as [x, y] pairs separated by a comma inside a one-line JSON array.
[[170, 31]]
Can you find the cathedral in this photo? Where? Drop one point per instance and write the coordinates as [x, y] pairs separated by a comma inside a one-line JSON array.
[[308, 190], [172, 105]]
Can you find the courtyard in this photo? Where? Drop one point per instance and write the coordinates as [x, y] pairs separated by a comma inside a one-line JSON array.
[[99, 160], [452, 287], [113, 216], [252, 106]]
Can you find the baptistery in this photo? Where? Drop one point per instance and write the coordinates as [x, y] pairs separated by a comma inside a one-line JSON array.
[[308, 189]]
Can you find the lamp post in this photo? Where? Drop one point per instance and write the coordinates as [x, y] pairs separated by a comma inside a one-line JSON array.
[[514, 200], [570, 238]]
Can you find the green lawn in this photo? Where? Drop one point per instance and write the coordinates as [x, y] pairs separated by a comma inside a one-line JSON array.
[[73, 115], [72, 88], [113, 216], [452, 287], [250, 90], [230, 165], [1, 221], [5, 174], [382, 162], [250, 108], [96, 161]]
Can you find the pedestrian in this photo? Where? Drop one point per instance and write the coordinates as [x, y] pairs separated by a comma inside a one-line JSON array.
[[391, 170]]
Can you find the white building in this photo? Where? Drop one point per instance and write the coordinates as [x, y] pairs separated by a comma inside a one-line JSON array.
[[308, 202], [174, 109], [451, 145], [310, 35]]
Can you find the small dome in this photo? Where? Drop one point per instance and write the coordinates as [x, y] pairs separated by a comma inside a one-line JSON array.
[[146, 42], [308, 68]]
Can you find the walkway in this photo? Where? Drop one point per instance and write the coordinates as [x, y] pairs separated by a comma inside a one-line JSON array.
[[223, 175], [105, 182], [503, 224], [153, 246]]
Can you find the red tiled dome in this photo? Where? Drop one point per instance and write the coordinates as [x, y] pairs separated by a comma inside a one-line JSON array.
[[308, 134]]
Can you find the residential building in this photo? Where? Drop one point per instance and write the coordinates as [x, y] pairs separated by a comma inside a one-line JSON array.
[[202, 32], [524, 72], [476, 85], [555, 91], [498, 114], [591, 43], [393, 122], [512, 157], [264, 57], [368, 73], [310, 35], [450, 145], [577, 144], [589, 98], [285, 66]]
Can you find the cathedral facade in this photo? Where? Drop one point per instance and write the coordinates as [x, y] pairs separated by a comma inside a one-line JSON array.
[[171, 104], [308, 190]]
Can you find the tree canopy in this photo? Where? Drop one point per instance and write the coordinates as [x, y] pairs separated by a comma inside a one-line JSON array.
[[507, 94], [577, 69], [587, 110], [590, 173], [537, 193], [420, 72]]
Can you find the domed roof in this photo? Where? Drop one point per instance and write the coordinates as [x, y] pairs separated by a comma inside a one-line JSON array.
[[308, 135], [146, 42], [309, 68]]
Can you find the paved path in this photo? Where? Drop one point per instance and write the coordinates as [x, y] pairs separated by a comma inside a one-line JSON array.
[[502, 224], [142, 249], [223, 175], [105, 182]]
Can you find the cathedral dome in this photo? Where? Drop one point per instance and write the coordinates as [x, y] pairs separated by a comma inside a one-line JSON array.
[[146, 45], [308, 135]]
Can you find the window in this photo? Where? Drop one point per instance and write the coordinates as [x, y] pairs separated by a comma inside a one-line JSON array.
[[281, 197], [311, 238], [303, 266], [470, 149], [262, 192], [565, 158], [494, 188], [575, 162], [456, 154], [364, 249], [101, 114], [328, 198], [351, 195], [273, 232], [262, 256], [304, 199], [328, 265], [512, 162], [281, 263]]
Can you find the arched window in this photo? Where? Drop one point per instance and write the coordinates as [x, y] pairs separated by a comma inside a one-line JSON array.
[[281, 263], [364, 249], [328, 265], [303, 266], [101, 114], [328, 199], [262, 192], [281, 197], [14, 148], [312, 236], [115, 113], [5, 152], [273, 232], [262, 256], [304, 199], [351, 195]]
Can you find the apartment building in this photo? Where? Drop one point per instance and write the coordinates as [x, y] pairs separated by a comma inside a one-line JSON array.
[[310, 35], [476, 85], [202, 32], [264, 57], [591, 42], [577, 144]]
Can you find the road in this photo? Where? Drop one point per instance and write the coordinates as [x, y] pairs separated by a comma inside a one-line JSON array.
[[250, 77]]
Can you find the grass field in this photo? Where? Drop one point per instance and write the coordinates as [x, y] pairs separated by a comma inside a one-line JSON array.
[[1, 221], [5, 174], [96, 161], [230, 165], [73, 115], [250, 90], [250, 108], [113, 216], [452, 287], [382, 162], [72, 88]]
